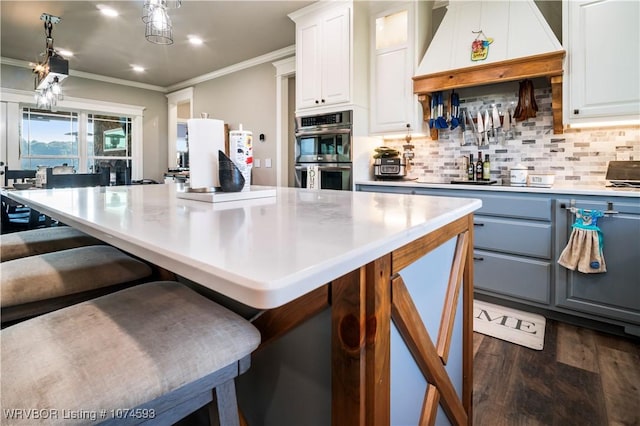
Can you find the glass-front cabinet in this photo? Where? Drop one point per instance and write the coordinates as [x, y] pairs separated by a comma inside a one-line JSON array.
[[398, 40]]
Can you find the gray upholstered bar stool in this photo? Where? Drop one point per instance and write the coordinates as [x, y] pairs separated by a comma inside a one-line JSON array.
[[37, 284], [157, 351], [42, 240]]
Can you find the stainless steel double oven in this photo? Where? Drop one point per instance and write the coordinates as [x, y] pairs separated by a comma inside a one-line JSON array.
[[323, 151]]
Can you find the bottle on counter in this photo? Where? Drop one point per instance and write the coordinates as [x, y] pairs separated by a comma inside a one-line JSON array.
[[486, 168], [471, 168], [479, 166]]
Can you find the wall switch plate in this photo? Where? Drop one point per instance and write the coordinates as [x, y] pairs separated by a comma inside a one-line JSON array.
[[267, 162], [256, 163]]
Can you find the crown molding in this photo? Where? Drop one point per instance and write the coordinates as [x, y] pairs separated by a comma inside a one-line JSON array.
[[258, 60], [89, 76]]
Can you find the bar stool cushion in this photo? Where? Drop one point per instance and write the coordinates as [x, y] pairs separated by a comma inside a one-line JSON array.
[[43, 240], [66, 272], [120, 350]]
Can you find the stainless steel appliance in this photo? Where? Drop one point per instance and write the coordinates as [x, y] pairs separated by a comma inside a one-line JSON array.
[[323, 151], [623, 174], [389, 168]]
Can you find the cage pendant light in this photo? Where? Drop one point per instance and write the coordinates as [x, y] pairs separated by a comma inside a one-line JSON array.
[[149, 5], [158, 25]]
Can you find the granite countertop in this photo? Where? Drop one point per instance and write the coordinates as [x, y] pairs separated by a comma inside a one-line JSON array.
[[262, 252], [597, 190]]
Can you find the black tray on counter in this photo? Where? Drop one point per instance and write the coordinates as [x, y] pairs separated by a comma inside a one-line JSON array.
[[474, 182]]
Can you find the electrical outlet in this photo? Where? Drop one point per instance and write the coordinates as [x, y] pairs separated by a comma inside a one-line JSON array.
[[256, 163], [267, 162]]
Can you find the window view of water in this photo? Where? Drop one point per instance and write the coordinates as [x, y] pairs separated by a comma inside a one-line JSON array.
[[54, 139]]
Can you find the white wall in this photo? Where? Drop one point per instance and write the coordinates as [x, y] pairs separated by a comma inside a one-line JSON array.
[[246, 97]]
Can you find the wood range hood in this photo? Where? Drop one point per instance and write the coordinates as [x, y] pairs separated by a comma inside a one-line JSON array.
[[525, 48]]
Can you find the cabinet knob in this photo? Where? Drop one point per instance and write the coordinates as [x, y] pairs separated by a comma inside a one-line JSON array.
[[478, 258], [576, 111], [478, 224], [323, 101], [317, 101]]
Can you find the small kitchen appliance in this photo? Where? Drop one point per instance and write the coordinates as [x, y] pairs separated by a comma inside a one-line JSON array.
[[388, 164], [623, 174], [518, 175]]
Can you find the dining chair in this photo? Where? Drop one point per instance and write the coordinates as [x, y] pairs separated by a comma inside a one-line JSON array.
[[77, 180], [17, 176], [16, 216]]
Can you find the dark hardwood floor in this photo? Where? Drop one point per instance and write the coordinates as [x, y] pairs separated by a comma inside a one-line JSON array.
[[581, 377]]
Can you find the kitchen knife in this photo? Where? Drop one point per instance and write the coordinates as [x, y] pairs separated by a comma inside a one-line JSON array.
[[507, 120], [496, 118]]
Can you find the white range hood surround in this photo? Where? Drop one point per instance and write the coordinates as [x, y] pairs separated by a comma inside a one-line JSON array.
[[517, 27]]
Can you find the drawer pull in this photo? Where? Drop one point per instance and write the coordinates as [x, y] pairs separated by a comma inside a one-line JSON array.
[[478, 224], [478, 258]]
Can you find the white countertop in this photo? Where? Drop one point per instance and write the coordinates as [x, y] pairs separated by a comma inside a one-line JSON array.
[[556, 189], [263, 252]]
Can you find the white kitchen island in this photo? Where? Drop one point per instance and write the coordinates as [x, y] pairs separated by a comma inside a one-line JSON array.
[[390, 267]]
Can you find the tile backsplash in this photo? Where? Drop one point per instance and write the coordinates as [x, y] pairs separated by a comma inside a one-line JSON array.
[[578, 157]]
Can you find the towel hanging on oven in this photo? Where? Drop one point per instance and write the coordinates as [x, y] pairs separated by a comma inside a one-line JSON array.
[[584, 249]]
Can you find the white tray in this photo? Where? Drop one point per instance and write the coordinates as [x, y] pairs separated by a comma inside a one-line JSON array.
[[220, 197]]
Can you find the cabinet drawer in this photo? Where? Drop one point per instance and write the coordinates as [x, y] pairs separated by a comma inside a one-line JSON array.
[[516, 206], [512, 276], [513, 236]]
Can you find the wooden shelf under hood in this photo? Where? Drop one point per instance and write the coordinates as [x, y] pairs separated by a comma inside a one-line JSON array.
[[543, 65]]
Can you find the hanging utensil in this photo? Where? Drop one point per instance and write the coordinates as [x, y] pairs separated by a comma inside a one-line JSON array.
[[455, 109], [441, 122], [487, 126], [496, 117], [469, 129], [480, 128], [507, 121], [432, 114]]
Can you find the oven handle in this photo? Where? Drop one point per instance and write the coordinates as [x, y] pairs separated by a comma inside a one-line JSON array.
[[321, 167], [323, 132], [332, 168]]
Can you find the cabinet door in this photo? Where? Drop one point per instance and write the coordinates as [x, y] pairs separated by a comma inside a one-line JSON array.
[[602, 42], [336, 54], [389, 105], [616, 293], [308, 87], [391, 70], [514, 276]]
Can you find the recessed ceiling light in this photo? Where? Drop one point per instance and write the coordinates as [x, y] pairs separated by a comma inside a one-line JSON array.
[[195, 40], [137, 68], [107, 11], [65, 52]]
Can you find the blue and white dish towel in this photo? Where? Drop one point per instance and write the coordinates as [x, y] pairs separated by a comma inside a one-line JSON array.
[[584, 249]]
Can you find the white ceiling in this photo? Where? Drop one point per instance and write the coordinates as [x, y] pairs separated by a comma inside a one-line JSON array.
[[233, 31]]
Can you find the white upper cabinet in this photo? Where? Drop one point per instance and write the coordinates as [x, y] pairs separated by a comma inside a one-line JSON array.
[[602, 72], [395, 34], [323, 55]]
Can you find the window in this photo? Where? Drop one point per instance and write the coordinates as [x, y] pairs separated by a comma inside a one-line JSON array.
[[109, 142], [48, 139], [55, 138], [27, 134]]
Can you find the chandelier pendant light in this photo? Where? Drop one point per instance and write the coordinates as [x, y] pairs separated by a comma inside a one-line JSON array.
[[51, 71], [158, 27]]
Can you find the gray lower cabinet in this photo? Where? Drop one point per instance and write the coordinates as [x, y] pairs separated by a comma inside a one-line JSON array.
[[518, 238], [614, 294], [512, 242]]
